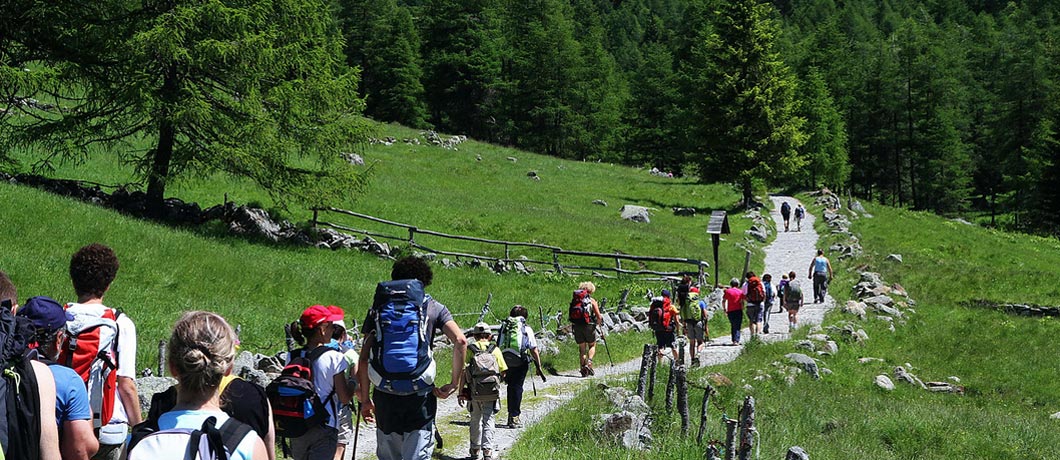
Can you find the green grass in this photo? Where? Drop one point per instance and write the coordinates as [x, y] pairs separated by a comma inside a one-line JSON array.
[[1006, 363], [166, 271]]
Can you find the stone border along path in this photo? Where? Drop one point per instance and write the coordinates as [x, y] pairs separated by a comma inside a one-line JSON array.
[[790, 251]]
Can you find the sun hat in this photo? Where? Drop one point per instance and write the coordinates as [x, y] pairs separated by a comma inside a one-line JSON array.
[[316, 314]]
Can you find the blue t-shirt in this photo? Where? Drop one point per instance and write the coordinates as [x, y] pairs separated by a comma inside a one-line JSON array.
[[71, 397], [820, 265], [194, 418]]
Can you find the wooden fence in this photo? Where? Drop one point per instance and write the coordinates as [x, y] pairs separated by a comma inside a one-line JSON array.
[[556, 252]]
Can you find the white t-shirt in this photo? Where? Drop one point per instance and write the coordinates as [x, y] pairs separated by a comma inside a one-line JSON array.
[[126, 358], [194, 418], [530, 339], [325, 368]]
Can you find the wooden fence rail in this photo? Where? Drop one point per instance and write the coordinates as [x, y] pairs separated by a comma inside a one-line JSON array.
[[700, 266]]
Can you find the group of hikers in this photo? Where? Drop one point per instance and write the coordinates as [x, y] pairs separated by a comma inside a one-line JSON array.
[[785, 212], [78, 361]]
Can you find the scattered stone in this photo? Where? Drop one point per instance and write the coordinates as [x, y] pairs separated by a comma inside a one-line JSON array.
[[686, 212], [147, 387], [600, 203], [636, 213], [719, 380], [895, 258], [1055, 416], [944, 387], [855, 308], [884, 382], [904, 376], [867, 360], [513, 159], [830, 347], [796, 453], [808, 364], [806, 345], [857, 207], [533, 175]]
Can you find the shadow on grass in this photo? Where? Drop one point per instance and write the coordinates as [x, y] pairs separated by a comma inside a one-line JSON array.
[[733, 209]]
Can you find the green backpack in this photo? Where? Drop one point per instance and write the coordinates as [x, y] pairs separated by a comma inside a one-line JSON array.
[[512, 341]]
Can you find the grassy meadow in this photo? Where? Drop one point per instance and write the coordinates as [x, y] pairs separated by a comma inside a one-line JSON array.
[[1006, 363], [260, 286]]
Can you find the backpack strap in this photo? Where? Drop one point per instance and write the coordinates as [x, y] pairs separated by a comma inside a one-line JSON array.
[[232, 433], [313, 356]]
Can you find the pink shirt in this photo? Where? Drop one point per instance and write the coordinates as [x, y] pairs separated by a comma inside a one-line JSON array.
[[733, 299]]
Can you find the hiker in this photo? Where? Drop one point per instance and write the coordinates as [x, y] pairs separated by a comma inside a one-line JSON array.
[[793, 300], [665, 320], [767, 284], [692, 320], [820, 273], [780, 292], [73, 415], [200, 354], [30, 376], [340, 340], [519, 347], [785, 212], [405, 419], [111, 334], [733, 300], [584, 314], [755, 296], [484, 370], [332, 386], [800, 212]]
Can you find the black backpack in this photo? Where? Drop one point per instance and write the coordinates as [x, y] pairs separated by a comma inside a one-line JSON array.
[[19, 396], [296, 407], [658, 318], [785, 208]]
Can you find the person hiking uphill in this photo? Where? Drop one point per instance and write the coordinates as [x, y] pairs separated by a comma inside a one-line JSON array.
[[767, 283], [485, 369], [800, 212], [664, 319], [519, 347], [694, 322], [785, 212], [793, 300], [821, 274], [584, 315], [733, 300], [755, 294], [404, 406]]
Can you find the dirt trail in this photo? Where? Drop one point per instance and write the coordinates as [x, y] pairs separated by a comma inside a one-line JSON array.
[[790, 251]]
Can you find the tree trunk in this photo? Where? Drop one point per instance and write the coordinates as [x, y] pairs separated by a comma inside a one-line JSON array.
[[163, 153]]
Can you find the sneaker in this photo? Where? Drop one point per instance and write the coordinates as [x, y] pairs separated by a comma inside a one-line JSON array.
[[474, 454], [584, 371], [487, 454], [513, 422]]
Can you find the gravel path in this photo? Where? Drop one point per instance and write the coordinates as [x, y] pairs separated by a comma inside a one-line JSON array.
[[790, 251]]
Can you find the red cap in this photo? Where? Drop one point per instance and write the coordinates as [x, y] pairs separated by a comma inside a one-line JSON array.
[[313, 316]]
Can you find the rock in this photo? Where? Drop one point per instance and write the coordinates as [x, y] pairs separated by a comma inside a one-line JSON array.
[[884, 382], [636, 213], [1055, 416], [269, 364], [895, 258], [818, 337], [861, 335], [354, 159], [686, 212], [255, 376], [857, 207], [954, 379], [904, 376], [758, 234], [718, 379], [830, 347], [854, 308], [625, 317], [255, 221], [796, 453], [147, 387], [533, 175], [807, 364], [879, 300], [617, 395], [608, 321], [513, 159], [944, 387], [616, 424], [600, 203], [806, 345], [870, 360], [244, 360]]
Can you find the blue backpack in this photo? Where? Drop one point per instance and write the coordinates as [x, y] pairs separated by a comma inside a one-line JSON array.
[[401, 360]]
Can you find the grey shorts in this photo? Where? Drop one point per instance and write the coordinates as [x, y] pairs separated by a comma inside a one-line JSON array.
[[695, 330], [584, 333], [345, 425], [754, 312]]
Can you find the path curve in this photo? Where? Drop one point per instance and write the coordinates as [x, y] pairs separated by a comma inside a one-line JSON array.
[[790, 251]]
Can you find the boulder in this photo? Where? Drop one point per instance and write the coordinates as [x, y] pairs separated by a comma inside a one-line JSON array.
[[884, 382], [796, 453], [854, 308], [807, 364], [147, 387], [636, 213], [244, 360], [830, 347], [255, 221]]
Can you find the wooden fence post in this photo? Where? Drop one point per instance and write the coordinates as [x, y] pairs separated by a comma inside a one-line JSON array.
[[645, 364], [703, 414], [412, 235], [653, 363], [161, 358], [671, 384], [507, 253], [682, 398], [555, 261], [747, 428], [315, 220], [730, 439]]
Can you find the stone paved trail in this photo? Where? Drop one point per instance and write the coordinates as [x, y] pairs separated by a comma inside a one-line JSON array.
[[790, 251]]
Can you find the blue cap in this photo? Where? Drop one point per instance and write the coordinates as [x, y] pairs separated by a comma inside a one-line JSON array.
[[666, 293], [45, 313]]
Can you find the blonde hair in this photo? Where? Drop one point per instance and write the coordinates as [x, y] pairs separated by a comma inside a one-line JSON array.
[[201, 351], [588, 286]]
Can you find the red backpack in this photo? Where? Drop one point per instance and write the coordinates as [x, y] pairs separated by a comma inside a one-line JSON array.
[[90, 348], [756, 293], [660, 317], [580, 307]]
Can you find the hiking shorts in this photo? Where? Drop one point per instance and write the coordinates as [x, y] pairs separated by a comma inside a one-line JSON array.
[[665, 339], [695, 330], [584, 333], [754, 312], [792, 306]]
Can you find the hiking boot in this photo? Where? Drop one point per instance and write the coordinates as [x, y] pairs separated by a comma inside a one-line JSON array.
[[513, 422], [584, 372], [487, 454], [474, 454], [589, 368]]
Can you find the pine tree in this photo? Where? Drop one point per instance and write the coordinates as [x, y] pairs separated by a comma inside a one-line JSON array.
[[826, 143], [743, 126]]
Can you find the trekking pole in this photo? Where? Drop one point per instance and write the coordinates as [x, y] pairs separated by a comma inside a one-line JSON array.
[[356, 429], [485, 308], [533, 385]]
